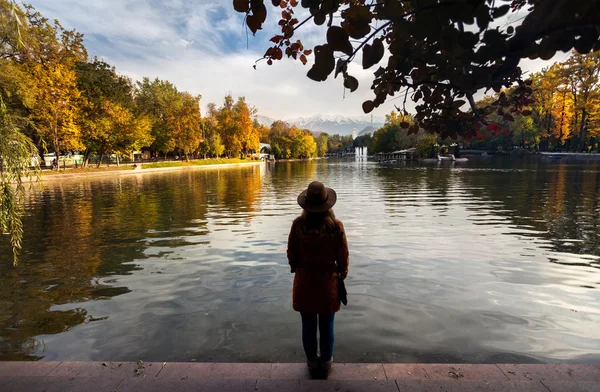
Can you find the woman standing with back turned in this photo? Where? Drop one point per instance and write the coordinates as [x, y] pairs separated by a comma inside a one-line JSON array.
[[318, 254]]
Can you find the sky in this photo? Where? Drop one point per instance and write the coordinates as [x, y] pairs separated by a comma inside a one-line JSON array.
[[202, 47]]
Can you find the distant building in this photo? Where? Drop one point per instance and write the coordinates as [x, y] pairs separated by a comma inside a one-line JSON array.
[[265, 152], [354, 133]]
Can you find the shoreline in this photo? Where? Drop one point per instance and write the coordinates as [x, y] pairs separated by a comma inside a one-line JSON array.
[[294, 377], [130, 171]]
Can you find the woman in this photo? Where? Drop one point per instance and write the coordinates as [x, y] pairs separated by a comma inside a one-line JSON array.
[[318, 255]]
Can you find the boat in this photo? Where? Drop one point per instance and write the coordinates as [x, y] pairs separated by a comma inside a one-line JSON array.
[[451, 158]]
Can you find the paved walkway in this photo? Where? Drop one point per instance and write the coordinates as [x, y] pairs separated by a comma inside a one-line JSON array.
[[276, 377]]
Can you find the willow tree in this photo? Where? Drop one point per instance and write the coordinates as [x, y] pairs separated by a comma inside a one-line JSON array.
[[17, 153], [440, 53]]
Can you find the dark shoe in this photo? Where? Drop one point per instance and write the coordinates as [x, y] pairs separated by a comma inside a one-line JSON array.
[[312, 365], [326, 367]]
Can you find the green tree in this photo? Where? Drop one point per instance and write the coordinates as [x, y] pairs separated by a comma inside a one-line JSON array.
[[158, 100], [186, 124], [211, 145], [322, 144]]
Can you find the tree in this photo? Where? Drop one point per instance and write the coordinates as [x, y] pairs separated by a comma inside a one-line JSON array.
[[158, 99], [425, 146], [433, 56], [211, 144], [228, 129], [50, 61], [186, 123], [108, 123], [322, 144], [248, 134], [584, 75], [16, 154]]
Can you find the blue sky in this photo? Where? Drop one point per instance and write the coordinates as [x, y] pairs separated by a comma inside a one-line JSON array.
[[202, 47]]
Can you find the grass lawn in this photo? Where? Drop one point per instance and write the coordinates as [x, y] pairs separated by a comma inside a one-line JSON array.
[[198, 162], [150, 165], [86, 170]]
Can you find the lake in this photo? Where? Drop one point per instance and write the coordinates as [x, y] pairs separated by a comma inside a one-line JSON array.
[[494, 260]]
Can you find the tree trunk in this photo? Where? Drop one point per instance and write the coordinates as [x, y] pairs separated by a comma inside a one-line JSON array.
[[582, 130], [117, 160], [101, 156], [86, 158], [562, 117]]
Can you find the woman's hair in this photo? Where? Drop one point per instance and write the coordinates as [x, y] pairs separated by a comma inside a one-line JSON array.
[[321, 222]]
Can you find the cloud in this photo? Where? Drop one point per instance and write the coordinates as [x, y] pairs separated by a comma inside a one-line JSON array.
[[203, 47]]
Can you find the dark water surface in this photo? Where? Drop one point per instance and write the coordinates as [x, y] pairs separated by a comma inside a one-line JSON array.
[[489, 261]]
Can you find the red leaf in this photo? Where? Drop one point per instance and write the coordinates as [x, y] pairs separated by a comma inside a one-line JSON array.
[[526, 112], [308, 52], [404, 124], [276, 39], [303, 59], [241, 6], [491, 127], [506, 132], [368, 106]]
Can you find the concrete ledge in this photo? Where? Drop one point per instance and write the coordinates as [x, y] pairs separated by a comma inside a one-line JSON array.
[[131, 376]]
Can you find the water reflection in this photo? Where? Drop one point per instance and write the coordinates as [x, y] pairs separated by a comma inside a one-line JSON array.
[[82, 235], [494, 261]]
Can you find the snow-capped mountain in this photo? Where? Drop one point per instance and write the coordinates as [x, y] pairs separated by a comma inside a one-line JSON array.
[[330, 123]]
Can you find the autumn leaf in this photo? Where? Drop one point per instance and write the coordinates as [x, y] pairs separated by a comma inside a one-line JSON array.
[[350, 82], [372, 54], [337, 38], [404, 124], [324, 63], [241, 6], [368, 106]]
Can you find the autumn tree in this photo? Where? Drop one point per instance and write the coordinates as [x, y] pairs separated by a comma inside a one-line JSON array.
[[49, 59], [109, 121], [583, 72], [249, 135], [439, 53]]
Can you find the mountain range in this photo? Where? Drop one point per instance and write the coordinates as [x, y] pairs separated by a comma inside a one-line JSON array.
[[331, 124]]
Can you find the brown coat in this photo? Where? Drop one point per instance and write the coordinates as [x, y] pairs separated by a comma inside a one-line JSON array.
[[317, 259]]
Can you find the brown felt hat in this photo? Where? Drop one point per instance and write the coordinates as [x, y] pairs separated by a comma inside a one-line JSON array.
[[317, 198]]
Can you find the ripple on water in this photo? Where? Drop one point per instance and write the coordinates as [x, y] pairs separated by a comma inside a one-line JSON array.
[[496, 261]]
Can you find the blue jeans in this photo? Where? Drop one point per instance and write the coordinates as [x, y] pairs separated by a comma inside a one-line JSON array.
[[309, 335]]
